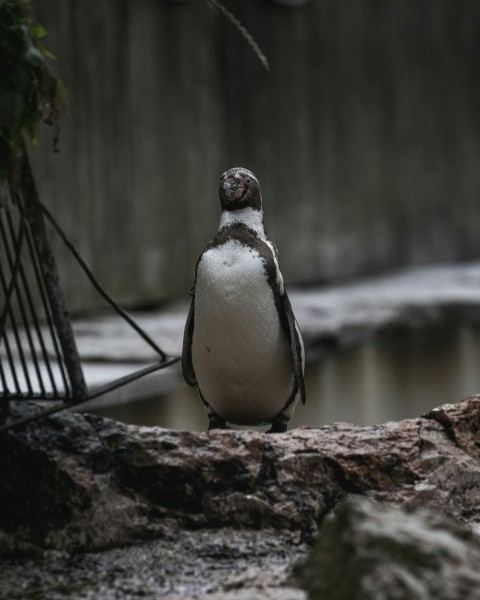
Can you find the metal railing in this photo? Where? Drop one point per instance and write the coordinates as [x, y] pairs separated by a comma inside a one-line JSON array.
[[39, 359]]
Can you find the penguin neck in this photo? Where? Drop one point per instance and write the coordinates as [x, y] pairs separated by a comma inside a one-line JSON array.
[[251, 218]]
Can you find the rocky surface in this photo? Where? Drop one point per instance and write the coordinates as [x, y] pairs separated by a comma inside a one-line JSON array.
[[209, 513], [368, 551], [226, 563]]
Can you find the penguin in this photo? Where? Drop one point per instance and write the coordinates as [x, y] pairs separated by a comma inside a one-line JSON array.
[[242, 347]]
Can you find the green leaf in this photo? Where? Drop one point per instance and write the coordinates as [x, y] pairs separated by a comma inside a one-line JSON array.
[[29, 91], [38, 31]]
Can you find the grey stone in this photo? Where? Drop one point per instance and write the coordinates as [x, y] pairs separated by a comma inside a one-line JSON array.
[[371, 551], [124, 510], [230, 564]]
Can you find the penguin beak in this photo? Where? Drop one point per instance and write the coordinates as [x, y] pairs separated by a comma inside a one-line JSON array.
[[233, 188]]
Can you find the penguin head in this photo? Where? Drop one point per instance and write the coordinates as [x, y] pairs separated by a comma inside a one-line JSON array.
[[239, 188]]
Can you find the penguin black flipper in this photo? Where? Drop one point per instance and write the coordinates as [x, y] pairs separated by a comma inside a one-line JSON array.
[[187, 365], [295, 344]]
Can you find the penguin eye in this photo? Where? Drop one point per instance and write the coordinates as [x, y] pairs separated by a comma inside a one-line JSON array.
[[248, 180]]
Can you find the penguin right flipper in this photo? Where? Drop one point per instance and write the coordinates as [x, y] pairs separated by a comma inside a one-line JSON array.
[[295, 345], [187, 365]]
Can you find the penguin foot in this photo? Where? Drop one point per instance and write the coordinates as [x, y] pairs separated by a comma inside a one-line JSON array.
[[278, 426], [216, 422]]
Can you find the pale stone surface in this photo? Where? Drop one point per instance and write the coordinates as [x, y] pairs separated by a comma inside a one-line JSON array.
[[334, 315], [330, 317]]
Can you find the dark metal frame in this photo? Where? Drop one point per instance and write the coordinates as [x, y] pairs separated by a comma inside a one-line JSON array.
[[23, 233]]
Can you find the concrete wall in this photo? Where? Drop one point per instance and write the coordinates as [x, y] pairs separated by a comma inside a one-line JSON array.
[[365, 135]]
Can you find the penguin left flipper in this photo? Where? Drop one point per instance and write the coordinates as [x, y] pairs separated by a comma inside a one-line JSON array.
[[295, 344], [187, 365]]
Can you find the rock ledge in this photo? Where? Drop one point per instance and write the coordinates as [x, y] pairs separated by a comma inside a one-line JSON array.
[[77, 483]]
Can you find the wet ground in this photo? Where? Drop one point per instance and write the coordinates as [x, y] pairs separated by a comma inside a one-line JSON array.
[[194, 563]]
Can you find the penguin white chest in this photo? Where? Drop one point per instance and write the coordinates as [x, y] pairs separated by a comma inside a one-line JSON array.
[[240, 354]]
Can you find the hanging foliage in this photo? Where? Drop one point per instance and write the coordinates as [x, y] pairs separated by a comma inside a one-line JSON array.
[[29, 90]]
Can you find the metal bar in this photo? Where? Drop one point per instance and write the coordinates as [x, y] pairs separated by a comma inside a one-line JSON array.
[[15, 264], [8, 350], [21, 306], [8, 296], [113, 385], [61, 366], [170, 360], [11, 365], [48, 317], [38, 328], [18, 243], [4, 380], [98, 287], [56, 300]]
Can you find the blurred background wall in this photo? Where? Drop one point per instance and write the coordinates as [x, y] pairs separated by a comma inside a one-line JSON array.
[[365, 135]]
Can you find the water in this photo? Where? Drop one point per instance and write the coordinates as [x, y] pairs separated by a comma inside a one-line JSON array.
[[388, 378]]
